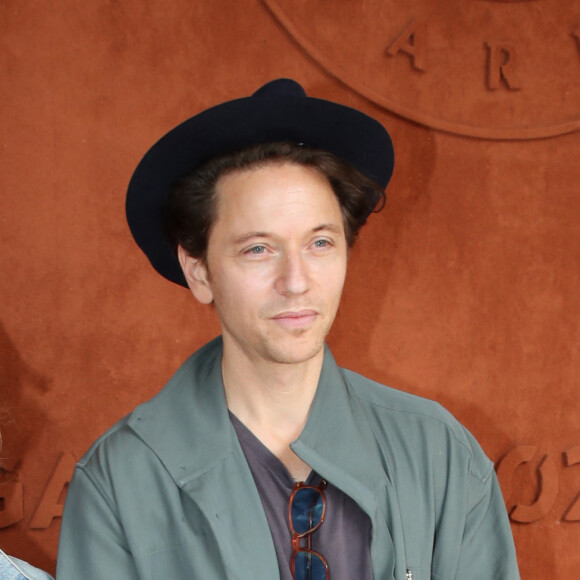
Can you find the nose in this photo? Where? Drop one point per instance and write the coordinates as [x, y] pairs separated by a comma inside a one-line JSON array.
[[293, 276]]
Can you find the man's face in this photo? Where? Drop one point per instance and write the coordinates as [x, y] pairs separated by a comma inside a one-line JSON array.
[[276, 262]]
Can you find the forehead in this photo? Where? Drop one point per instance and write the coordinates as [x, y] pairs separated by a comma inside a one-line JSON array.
[[276, 193]]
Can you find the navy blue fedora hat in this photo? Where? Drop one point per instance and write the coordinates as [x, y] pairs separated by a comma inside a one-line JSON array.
[[278, 111]]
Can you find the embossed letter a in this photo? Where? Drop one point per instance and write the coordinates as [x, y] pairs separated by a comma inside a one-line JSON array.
[[411, 41]]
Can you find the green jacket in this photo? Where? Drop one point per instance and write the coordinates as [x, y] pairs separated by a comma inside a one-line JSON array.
[[167, 492]]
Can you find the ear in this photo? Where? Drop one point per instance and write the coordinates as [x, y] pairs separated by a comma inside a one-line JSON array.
[[196, 275]]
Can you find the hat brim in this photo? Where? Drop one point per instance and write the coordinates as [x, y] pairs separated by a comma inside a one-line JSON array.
[[261, 118]]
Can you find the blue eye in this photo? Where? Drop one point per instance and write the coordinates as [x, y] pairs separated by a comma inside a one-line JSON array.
[[321, 243], [257, 249]]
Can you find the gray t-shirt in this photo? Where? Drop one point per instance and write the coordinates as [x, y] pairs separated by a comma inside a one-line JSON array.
[[343, 539]]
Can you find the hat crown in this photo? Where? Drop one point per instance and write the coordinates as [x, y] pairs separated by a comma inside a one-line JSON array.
[[279, 111], [280, 88]]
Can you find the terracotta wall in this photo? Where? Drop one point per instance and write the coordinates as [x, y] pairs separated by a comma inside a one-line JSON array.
[[465, 289]]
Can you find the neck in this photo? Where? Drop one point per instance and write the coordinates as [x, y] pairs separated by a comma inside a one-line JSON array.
[[273, 400], [265, 391]]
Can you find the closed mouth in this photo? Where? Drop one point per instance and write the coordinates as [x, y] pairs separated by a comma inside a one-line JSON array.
[[296, 318]]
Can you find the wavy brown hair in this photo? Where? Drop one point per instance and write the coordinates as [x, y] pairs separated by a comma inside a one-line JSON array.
[[192, 204]]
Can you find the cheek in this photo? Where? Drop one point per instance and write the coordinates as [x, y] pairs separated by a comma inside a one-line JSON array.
[[339, 285], [332, 275], [253, 281], [239, 295]]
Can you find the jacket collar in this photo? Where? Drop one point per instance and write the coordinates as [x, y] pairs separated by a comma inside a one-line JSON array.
[[176, 423], [187, 424], [339, 444], [336, 432]]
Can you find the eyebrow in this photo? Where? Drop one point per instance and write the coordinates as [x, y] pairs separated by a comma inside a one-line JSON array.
[[330, 227], [245, 237], [257, 234]]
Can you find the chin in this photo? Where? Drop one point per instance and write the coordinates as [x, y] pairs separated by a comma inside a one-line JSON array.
[[295, 354]]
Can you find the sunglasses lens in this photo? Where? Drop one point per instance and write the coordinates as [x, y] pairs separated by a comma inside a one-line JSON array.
[[307, 509], [308, 566]]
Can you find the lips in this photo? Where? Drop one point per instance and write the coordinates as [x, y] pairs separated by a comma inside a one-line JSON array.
[[296, 318]]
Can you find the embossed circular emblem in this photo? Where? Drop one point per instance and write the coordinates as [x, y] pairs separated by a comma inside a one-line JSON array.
[[495, 69]]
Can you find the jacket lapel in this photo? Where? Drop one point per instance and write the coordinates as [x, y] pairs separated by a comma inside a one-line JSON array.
[[338, 443], [187, 426]]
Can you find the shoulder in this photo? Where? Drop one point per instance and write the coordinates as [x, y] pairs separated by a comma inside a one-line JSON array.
[[119, 440], [179, 390], [169, 432], [410, 420], [119, 451], [395, 401]]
